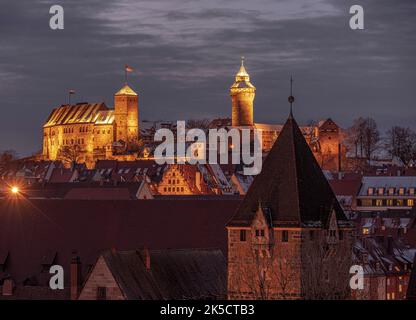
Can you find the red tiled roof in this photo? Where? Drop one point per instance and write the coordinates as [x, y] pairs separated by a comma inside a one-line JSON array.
[[345, 187], [31, 228], [99, 194], [291, 185]]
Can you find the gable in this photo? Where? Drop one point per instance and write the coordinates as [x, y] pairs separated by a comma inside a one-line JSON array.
[[101, 276]]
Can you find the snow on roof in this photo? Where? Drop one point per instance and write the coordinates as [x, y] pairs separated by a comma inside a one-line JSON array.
[[387, 182]]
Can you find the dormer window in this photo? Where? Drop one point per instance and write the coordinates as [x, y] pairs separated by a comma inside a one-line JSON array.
[[380, 191], [412, 191], [401, 191], [391, 191], [259, 232], [370, 191]]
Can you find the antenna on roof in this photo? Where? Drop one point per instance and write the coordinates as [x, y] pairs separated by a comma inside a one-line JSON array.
[[291, 98]]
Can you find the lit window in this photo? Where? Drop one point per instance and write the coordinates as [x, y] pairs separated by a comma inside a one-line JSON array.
[[412, 191], [366, 231], [380, 191], [410, 202], [379, 202], [370, 191], [399, 202], [389, 202], [401, 191]]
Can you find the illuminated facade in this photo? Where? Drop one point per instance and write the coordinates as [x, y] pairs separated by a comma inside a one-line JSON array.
[[87, 132], [324, 138], [242, 94]]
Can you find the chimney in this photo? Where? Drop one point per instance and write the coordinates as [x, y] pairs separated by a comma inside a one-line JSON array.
[[389, 245], [75, 272], [8, 286], [339, 157], [146, 258]]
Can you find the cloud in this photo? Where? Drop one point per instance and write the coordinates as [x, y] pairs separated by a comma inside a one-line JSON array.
[[185, 54]]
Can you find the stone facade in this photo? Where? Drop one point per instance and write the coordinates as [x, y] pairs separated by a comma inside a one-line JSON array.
[[242, 96], [99, 281], [288, 263], [88, 132]]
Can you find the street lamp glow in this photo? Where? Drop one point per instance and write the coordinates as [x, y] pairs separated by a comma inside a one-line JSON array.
[[15, 190]]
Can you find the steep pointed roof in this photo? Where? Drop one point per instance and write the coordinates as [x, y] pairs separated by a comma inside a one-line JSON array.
[[291, 185], [242, 78], [127, 91], [411, 289]]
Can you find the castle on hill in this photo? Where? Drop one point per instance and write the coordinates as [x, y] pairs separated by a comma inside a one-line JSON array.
[[87, 132]]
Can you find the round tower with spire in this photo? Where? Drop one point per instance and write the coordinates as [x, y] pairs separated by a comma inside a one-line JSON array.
[[242, 97]]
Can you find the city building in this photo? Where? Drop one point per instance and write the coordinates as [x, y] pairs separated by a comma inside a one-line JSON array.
[[87, 132], [386, 192], [181, 274], [289, 238]]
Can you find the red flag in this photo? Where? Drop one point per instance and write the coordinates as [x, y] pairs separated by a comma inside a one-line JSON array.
[[71, 91], [129, 69]]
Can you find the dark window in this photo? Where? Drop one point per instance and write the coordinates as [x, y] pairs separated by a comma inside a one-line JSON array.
[[311, 234], [259, 232], [332, 233], [285, 236], [101, 293], [242, 235], [341, 235]]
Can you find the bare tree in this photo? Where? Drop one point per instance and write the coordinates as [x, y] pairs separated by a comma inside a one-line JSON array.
[[197, 124], [7, 156], [326, 269], [69, 154], [266, 273], [401, 143], [363, 137], [354, 137], [371, 137]]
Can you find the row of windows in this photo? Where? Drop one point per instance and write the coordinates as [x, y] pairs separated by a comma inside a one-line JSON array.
[[285, 234], [173, 189], [391, 191], [68, 142], [173, 181], [102, 131], [386, 202], [261, 233]]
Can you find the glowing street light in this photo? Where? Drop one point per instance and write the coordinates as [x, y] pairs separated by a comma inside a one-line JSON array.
[[15, 190]]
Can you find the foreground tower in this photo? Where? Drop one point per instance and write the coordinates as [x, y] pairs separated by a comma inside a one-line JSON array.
[[289, 238], [242, 97], [126, 114]]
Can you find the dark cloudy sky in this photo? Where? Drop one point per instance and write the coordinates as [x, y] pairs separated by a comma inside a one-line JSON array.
[[185, 54]]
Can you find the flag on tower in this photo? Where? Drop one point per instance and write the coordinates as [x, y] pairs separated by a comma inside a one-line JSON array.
[[71, 91], [129, 69]]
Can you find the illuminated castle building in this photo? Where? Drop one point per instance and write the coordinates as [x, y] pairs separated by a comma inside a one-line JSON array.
[[324, 138], [86, 132]]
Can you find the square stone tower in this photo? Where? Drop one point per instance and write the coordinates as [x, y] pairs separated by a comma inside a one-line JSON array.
[[126, 115], [289, 239]]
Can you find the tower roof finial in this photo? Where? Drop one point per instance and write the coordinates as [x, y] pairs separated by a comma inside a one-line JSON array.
[[291, 98], [242, 60]]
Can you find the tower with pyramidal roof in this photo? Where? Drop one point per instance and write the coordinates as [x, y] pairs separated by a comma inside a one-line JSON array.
[[289, 238]]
